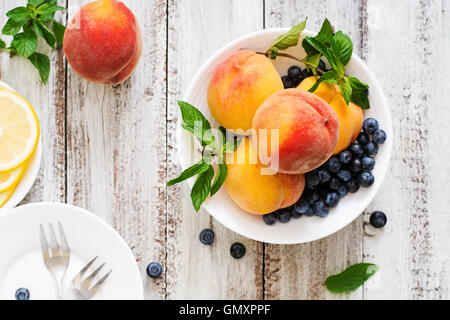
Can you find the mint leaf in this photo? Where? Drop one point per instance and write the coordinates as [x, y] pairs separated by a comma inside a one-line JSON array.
[[35, 3], [342, 46], [346, 89], [359, 93], [202, 187], [197, 168], [312, 43], [42, 63], [25, 43], [59, 30], [330, 77], [12, 26], [45, 33], [2, 44], [18, 14], [196, 123], [222, 172], [290, 39], [357, 84], [48, 9], [313, 62], [351, 278], [325, 34]]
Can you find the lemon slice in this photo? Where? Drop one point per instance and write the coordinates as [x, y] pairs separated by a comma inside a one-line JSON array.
[[19, 130], [12, 177], [5, 195]]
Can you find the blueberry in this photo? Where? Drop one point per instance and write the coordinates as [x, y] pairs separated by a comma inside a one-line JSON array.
[[366, 179], [378, 219], [322, 65], [324, 175], [310, 212], [321, 209], [302, 206], [270, 218], [307, 73], [370, 125], [379, 137], [344, 174], [332, 199], [345, 157], [368, 163], [342, 191], [334, 184], [363, 139], [206, 236], [295, 73], [287, 83], [154, 270], [356, 165], [294, 213], [237, 250], [352, 185], [356, 149], [371, 149], [312, 178], [284, 215], [333, 164], [312, 197], [22, 294]]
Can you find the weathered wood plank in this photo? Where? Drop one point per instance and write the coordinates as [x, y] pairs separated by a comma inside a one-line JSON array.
[[196, 30], [116, 144], [406, 45], [298, 271], [49, 103]]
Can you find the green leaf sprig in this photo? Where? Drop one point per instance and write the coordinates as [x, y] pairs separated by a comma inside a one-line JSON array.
[[26, 24], [337, 48], [351, 278], [197, 124]]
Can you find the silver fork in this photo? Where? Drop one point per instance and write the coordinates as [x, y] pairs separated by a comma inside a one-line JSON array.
[[83, 288], [56, 255]]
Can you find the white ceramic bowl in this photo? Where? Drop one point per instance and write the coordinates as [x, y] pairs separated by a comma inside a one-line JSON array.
[[31, 173], [305, 229]]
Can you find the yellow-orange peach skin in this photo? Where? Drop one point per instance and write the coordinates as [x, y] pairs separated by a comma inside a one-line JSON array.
[[307, 131], [103, 42], [238, 86], [255, 192], [350, 116]]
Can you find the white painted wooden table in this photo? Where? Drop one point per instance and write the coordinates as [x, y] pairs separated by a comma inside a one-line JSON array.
[[111, 150]]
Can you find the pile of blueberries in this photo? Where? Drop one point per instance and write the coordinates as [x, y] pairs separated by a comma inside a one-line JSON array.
[[295, 75], [341, 174]]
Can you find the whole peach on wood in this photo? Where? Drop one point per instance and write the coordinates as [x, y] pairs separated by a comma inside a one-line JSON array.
[[103, 42], [306, 130]]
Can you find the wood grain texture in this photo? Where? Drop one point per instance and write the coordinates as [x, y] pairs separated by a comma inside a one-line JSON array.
[[49, 104], [298, 271], [116, 145], [196, 30], [406, 46]]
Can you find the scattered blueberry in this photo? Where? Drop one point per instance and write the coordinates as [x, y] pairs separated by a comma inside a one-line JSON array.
[[371, 149], [379, 137], [312, 178], [22, 294], [363, 139], [302, 206], [295, 73], [333, 164], [237, 250], [334, 184], [322, 65], [368, 163], [356, 149], [284, 216], [324, 175], [352, 185], [332, 199], [345, 157], [294, 213], [321, 209], [378, 219], [313, 197], [344, 175], [342, 191], [154, 270], [366, 179], [270, 218], [370, 125], [287, 83], [207, 236], [356, 165]]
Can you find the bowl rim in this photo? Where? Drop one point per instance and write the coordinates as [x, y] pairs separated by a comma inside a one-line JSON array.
[[359, 64]]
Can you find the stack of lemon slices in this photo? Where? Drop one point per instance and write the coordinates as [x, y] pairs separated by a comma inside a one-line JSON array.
[[19, 136]]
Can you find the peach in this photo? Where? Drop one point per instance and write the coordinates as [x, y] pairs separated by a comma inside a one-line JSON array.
[[296, 131], [257, 189], [238, 87], [103, 42], [351, 117]]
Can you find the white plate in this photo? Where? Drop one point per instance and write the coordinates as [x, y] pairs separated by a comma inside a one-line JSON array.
[[31, 173], [21, 263], [305, 229]]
